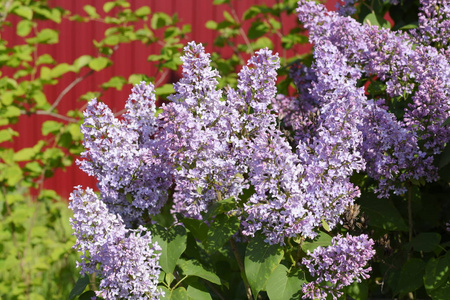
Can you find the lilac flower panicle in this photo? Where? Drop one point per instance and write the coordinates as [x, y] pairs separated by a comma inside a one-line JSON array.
[[126, 260], [422, 72], [115, 151], [337, 266], [434, 25]]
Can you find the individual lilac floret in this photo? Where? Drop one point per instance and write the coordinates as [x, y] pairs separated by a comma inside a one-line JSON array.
[[125, 260], [114, 154], [337, 266]]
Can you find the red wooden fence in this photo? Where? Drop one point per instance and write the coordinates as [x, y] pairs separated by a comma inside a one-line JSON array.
[[76, 40]]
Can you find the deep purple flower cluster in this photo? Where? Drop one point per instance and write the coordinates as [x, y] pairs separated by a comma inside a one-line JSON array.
[[396, 148], [340, 265], [126, 260]]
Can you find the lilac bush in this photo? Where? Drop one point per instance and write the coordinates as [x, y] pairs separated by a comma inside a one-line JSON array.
[[244, 164]]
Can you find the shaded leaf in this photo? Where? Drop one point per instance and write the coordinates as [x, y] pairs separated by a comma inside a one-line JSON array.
[[426, 242], [195, 268], [281, 285], [411, 276], [173, 243], [260, 261], [79, 287], [436, 272], [221, 230]]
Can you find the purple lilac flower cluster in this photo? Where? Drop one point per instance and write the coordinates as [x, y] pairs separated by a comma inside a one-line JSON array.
[[129, 185], [434, 25], [339, 264], [347, 7], [197, 134], [126, 260], [421, 72]]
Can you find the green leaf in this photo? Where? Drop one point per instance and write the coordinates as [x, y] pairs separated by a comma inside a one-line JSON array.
[[257, 29], [411, 276], [24, 154], [88, 295], [373, 19], [217, 2], [229, 17], [112, 40], [281, 285], [437, 272], [51, 127], [99, 63], [116, 82], [197, 227], [197, 293], [159, 20], [426, 242], [79, 287], [7, 98], [7, 134], [24, 12], [211, 25], [444, 159], [136, 78], [108, 6], [24, 28], [166, 89], [81, 61], [322, 240], [220, 207], [40, 99], [60, 70], [179, 293], [440, 293], [142, 11], [358, 290], [33, 167], [91, 11], [11, 112], [173, 243], [45, 36], [193, 267], [263, 42], [221, 230], [261, 259], [382, 213], [446, 122], [45, 59]]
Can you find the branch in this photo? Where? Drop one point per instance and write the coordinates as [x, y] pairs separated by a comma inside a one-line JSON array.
[[68, 88], [49, 113]]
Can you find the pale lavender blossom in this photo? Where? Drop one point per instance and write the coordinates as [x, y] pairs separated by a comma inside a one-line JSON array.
[[337, 266], [129, 185], [126, 260]]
